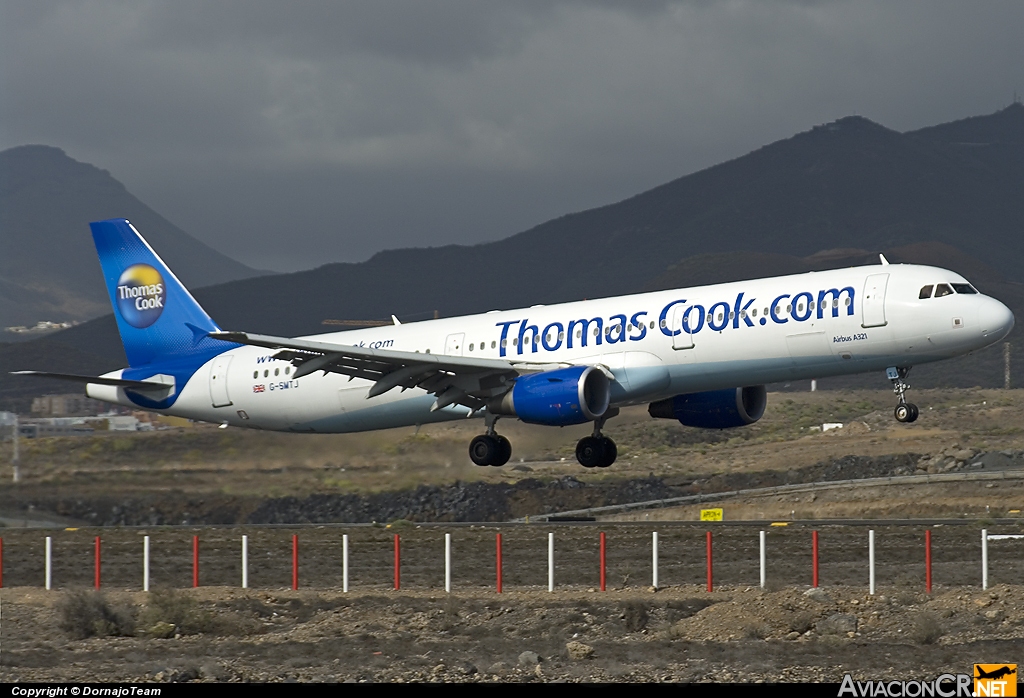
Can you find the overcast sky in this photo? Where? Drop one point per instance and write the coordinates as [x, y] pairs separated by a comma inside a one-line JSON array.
[[291, 134]]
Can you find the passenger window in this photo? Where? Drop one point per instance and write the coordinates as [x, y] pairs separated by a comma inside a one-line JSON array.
[[943, 290], [471, 347], [255, 374], [515, 341], [753, 313], [287, 370], [926, 291], [964, 288], [493, 344], [266, 373], [277, 372], [652, 324]]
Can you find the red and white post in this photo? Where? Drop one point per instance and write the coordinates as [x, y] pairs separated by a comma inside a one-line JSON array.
[[710, 577], [497, 551], [814, 557], [603, 560], [398, 563], [928, 561]]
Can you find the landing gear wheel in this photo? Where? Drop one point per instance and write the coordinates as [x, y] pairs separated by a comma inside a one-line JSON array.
[[590, 452], [504, 450], [485, 449], [902, 413], [914, 412], [611, 452], [596, 452]]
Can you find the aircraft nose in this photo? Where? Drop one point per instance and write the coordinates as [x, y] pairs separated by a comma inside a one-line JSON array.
[[996, 319]]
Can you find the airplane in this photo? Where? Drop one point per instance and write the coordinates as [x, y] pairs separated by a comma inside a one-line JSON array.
[[699, 355]]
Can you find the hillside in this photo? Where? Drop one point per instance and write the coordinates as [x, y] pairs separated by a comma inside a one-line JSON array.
[[48, 269], [835, 195]]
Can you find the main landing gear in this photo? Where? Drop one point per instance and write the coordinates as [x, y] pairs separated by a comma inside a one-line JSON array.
[[597, 451], [491, 448], [905, 412]]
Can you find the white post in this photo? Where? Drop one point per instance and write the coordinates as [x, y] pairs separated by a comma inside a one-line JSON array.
[[551, 562], [764, 558], [49, 554], [145, 563], [654, 561], [15, 461], [447, 562], [871, 562], [984, 558], [344, 563], [245, 562]]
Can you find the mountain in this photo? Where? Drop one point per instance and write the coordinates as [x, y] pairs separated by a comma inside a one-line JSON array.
[[48, 268], [835, 195]]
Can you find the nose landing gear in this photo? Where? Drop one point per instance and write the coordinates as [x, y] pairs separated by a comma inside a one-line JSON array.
[[597, 451], [491, 448], [905, 412]]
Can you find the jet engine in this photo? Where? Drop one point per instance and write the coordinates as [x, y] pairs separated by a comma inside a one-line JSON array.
[[714, 409], [557, 398]]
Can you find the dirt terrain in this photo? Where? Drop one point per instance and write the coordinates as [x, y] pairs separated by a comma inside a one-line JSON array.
[[681, 632], [201, 476]]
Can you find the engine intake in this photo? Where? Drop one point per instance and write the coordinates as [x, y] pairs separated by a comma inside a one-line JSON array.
[[714, 409], [557, 398]]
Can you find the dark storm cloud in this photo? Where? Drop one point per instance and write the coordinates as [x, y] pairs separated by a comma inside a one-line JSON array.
[[293, 134]]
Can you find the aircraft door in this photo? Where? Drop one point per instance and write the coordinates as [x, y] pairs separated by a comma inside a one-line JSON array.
[[874, 300], [453, 345], [682, 337], [219, 381]]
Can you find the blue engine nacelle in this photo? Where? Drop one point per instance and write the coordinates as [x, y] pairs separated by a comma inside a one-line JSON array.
[[557, 398], [714, 409]]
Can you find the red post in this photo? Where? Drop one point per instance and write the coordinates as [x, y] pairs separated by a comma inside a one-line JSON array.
[[398, 563], [497, 543], [96, 581], [295, 561], [928, 561], [195, 561], [602, 561], [709, 561], [814, 555]]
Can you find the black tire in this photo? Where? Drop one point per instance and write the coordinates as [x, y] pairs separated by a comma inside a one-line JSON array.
[[484, 449], [504, 451], [914, 413], [611, 452], [590, 452], [902, 412]]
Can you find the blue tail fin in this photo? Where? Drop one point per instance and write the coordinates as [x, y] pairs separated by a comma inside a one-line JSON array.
[[157, 317]]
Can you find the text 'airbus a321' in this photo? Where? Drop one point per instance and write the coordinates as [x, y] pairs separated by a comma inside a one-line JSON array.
[[699, 355]]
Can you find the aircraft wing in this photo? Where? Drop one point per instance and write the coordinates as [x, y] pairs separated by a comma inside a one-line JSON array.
[[453, 379]]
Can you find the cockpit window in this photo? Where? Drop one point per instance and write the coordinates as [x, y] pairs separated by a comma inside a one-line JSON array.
[[943, 290], [964, 288], [926, 291]]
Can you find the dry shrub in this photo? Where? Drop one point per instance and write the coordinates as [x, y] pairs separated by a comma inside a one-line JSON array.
[[801, 622], [89, 614], [635, 616], [926, 629], [178, 609]]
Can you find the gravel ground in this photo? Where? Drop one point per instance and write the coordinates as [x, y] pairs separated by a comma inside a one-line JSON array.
[[739, 632]]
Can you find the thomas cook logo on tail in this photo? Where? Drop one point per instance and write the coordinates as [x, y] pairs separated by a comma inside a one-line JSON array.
[[141, 293]]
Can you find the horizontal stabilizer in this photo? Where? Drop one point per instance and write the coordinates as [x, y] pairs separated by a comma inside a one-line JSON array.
[[96, 380]]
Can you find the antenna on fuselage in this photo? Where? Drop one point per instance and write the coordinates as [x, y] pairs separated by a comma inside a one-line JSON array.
[[885, 262]]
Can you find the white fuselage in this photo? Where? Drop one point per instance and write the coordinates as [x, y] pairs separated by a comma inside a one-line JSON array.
[[745, 333]]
